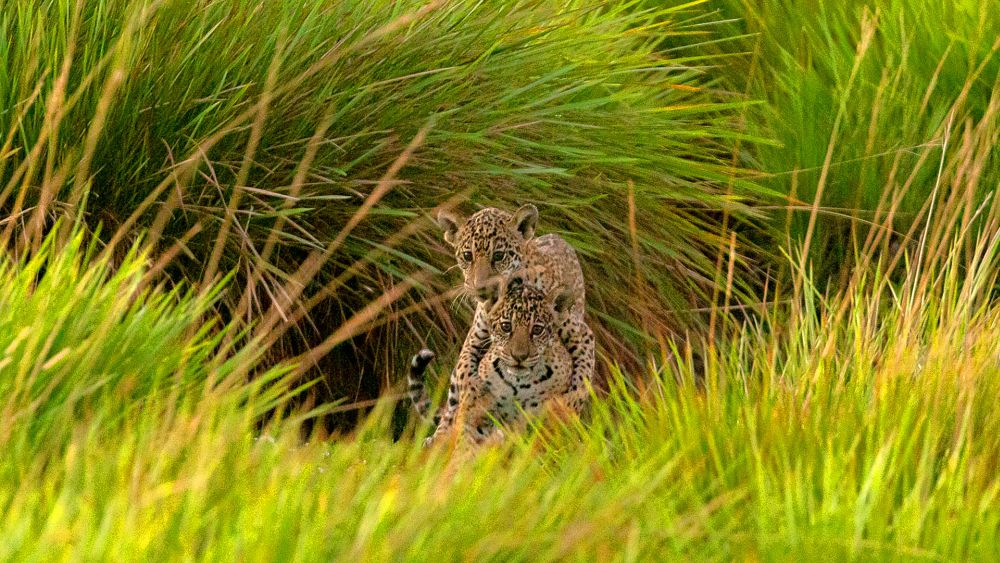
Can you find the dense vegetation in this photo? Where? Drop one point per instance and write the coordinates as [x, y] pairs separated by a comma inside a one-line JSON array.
[[864, 96], [263, 133], [216, 211]]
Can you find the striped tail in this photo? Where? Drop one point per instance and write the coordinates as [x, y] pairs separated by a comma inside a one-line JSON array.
[[417, 388]]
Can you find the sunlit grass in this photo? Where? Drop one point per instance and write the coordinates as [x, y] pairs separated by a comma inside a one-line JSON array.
[[862, 98], [855, 425]]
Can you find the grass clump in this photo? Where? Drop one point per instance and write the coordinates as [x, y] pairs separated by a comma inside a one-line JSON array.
[[95, 353], [867, 101]]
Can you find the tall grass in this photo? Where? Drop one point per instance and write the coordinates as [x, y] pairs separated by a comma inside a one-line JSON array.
[[265, 138], [863, 97], [95, 348], [853, 425]]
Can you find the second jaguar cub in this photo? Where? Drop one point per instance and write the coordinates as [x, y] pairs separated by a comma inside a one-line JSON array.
[[525, 369]]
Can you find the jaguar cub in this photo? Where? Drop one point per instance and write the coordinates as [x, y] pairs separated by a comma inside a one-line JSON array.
[[494, 243], [525, 368]]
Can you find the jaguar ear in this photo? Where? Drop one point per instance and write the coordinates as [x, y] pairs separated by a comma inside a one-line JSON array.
[[525, 219], [514, 281], [449, 223], [564, 300], [491, 293]]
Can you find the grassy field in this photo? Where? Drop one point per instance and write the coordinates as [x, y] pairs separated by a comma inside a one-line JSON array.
[[859, 425], [217, 211]]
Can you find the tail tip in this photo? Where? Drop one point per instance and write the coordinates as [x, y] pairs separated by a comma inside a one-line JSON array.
[[423, 357]]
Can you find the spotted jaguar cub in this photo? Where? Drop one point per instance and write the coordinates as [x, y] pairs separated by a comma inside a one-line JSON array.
[[526, 367], [494, 243]]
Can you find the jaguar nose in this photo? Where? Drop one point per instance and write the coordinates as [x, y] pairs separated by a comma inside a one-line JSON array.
[[519, 357]]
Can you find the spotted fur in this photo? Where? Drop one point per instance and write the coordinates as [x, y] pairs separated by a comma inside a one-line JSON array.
[[526, 367], [416, 388], [493, 244]]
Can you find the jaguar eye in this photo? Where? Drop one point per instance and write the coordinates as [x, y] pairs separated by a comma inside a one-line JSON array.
[[537, 330], [467, 256], [505, 326], [498, 256]]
